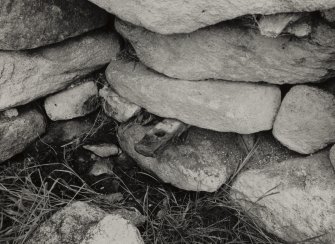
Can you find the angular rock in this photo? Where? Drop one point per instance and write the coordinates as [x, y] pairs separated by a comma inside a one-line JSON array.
[[117, 107], [103, 166], [293, 200], [80, 222], [274, 25], [16, 133], [203, 161], [230, 51], [26, 76], [305, 122], [217, 105], [176, 16], [35, 23], [103, 150], [73, 102]]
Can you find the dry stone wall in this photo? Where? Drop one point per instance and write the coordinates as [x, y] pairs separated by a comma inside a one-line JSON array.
[[238, 75]]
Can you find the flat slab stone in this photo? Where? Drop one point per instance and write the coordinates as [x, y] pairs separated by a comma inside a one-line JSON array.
[[306, 119], [184, 16], [26, 76], [17, 132], [35, 23], [203, 161], [231, 51], [293, 199], [217, 105]]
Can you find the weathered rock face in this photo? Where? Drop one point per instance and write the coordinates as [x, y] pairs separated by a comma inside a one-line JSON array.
[[167, 17], [29, 75], [73, 102], [35, 23], [306, 119], [202, 162], [80, 222], [230, 51], [17, 132], [217, 105], [293, 200]]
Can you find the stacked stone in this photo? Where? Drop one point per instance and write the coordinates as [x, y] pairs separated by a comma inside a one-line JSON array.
[[235, 72], [232, 70]]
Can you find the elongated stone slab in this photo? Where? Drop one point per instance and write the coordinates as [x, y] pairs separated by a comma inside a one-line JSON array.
[[217, 105]]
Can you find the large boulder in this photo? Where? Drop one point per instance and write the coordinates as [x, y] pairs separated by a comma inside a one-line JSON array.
[[217, 105], [184, 16], [18, 131], [28, 75], [202, 161], [306, 119], [35, 23], [80, 223], [76, 101], [293, 199], [231, 51]]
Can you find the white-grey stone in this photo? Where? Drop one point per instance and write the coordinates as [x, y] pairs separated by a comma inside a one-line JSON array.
[[74, 102], [17, 132], [184, 16], [217, 105], [117, 107], [103, 150], [28, 75], [203, 161], [293, 199], [231, 51], [305, 122]]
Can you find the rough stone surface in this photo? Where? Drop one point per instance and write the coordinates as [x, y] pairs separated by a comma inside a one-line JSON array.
[[183, 16], [102, 166], [231, 51], [217, 105], [273, 25], [103, 150], [34, 23], [293, 200], [332, 156], [73, 102], [16, 133], [26, 76], [117, 107], [329, 15], [203, 161], [306, 119], [80, 222]]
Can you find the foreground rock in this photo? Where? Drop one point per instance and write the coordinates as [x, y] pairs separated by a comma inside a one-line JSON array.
[[306, 119], [26, 76], [230, 51], [293, 200], [217, 105], [202, 162], [17, 132], [73, 102], [176, 16], [26, 25], [80, 223]]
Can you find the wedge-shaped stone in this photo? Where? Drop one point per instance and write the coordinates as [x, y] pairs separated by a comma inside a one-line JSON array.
[[26, 76], [184, 16], [306, 119], [230, 51], [293, 200], [35, 23], [203, 161], [217, 105], [17, 132]]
